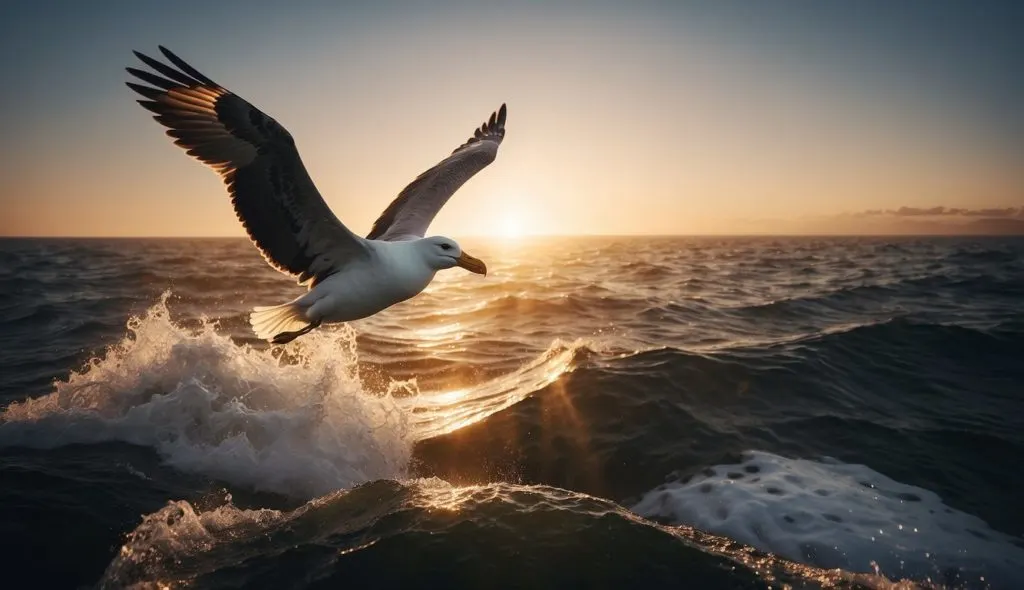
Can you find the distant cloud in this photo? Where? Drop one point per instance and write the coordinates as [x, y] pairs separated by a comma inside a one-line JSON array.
[[906, 221], [1003, 212], [917, 211]]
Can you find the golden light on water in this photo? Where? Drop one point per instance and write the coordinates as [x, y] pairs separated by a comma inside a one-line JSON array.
[[443, 412], [440, 334]]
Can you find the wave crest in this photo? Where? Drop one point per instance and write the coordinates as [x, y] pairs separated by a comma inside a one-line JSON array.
[[506, 534], [234, 413], [295, 421]]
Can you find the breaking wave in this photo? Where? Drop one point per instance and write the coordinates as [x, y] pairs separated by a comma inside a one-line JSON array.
[[295, 421]]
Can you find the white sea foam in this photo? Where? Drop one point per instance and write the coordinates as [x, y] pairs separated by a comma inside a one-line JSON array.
[[830, 514], [303, 426], [234, 413]]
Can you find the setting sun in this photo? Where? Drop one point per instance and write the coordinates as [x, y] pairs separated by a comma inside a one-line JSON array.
[[511, 226]]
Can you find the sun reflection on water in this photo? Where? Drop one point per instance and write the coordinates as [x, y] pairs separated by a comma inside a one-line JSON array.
[[438, 413]]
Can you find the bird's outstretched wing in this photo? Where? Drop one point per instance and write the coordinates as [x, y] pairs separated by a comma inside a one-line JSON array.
[[409, 215], [273, 195]]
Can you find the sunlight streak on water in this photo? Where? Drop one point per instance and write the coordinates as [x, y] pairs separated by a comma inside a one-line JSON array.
[[435, 414]]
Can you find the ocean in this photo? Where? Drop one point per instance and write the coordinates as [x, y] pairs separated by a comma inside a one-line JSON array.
[[595, 413]]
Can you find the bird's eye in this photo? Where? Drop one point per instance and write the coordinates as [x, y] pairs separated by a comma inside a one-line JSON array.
[[446, 246]]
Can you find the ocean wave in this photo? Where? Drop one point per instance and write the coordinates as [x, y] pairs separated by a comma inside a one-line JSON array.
[[439, 413], [901, 342], [887, 292], [873, 336], [296, 421], [981, 254], [871, 368], [834, 515], [232, 413], [498, 535]]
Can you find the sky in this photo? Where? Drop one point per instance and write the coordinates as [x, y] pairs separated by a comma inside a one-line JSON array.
[[623, 117]]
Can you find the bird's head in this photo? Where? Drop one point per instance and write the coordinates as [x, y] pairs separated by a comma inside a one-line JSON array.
[[442, 253]]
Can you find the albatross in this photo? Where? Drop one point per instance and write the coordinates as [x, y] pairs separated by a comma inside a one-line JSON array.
[[347, 277]]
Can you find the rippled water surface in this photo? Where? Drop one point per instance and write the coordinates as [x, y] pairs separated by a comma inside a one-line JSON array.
[[596, 412]]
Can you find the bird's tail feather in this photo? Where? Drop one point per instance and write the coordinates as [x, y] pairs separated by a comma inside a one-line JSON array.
[[277, 320]]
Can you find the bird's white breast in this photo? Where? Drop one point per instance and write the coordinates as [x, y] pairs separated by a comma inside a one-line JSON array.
[[393, 273]]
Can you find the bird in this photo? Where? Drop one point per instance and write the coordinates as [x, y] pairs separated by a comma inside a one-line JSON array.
[[348, 277]]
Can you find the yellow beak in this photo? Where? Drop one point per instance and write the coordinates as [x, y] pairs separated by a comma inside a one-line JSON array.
[[471, 264]]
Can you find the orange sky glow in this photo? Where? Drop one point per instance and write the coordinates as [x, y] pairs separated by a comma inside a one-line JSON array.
[[640, 122]]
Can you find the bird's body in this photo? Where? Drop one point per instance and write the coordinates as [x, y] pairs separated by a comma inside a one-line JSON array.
[[393, 273], [349, 277]]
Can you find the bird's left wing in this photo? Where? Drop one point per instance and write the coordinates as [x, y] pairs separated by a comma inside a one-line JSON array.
[[273, 195], [409, 215]]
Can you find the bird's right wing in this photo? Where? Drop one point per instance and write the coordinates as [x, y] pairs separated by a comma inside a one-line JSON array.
[[409, 215], [273, 195]]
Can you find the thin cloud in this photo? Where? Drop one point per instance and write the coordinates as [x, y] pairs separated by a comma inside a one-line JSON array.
[[997, 212]]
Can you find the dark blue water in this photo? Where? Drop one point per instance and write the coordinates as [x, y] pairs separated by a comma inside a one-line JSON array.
[[596, 412]]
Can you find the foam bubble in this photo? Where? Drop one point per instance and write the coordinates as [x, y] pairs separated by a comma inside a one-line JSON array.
[[829, 514]]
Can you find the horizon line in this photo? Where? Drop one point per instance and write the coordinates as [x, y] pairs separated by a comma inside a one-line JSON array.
[[535, 236]]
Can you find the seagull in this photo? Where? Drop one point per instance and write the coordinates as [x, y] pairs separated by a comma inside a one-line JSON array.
[[347, 277]]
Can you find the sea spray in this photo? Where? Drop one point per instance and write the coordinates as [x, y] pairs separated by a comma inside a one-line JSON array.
[[296, 420], [236, 413]]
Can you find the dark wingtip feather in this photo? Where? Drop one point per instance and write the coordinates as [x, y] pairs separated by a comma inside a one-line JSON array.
[[153, 79], [166, 70], [502, 113], [147, 91], [184, 67], [153, 107]]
